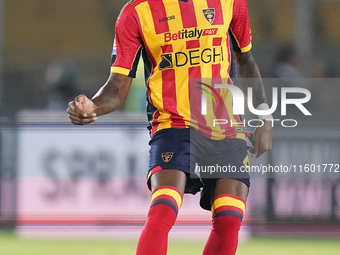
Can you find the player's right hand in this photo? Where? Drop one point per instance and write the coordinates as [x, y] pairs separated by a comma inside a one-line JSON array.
[[81, 111], [261, 139]]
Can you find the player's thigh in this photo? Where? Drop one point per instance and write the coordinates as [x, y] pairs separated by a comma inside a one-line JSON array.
[[234, 153], [169, 177], [231, 186], [169, 162]]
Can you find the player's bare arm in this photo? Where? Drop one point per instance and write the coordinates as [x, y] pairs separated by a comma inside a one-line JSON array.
[[109, 98], [262, 137]]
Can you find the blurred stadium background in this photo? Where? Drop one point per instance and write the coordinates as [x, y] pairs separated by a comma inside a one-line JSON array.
[[81, 190]]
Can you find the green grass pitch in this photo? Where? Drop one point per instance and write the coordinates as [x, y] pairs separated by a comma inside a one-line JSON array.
[[10, 244]]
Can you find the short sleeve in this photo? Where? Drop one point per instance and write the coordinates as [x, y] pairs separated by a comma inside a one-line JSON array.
[[127, 44], [239, 27]]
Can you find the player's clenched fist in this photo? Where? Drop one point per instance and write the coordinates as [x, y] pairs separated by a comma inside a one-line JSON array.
[[81, 111]]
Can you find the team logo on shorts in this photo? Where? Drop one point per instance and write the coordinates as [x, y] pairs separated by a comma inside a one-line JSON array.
[[167, 156], [209, 14]]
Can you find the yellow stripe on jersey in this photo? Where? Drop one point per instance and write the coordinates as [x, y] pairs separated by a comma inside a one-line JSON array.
[[173, 10], [199, 6], [205, 41], [169, 192], [229, 201], [246, 49], [218, 131], [182, 92], [164, 121], [152, 41], [183, 100], [120, 70], [210, 116], [228, 101]]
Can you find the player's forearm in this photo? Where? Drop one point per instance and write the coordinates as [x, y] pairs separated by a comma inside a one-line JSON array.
[[250, 76], [107, 100], [112, 95]]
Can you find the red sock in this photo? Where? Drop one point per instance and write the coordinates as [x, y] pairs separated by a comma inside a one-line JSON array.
[[165, 202], [227, 211]]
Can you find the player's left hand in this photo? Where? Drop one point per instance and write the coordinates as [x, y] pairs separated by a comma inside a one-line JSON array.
[[261, 139]]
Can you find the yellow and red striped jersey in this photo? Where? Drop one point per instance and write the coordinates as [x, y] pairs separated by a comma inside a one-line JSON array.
[[184, 43]]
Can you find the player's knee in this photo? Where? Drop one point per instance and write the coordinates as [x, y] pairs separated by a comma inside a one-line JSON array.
[[165, 203], [162, 218], [226, 224], [227, 213]]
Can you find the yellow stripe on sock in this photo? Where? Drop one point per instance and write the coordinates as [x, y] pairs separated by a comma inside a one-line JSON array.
[[228, 201], [169, 192]]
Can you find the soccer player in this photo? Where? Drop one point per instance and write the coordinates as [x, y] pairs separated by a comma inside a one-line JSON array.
[[182, 42]]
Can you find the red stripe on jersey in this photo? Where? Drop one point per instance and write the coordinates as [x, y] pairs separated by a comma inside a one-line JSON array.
[[154, 64], [217, 41], [158, 13], [150, 56], [216, 73], [167, 48], [238, 119], [188, 14], [196, 99], [154, 122], [221, 111], [170, 98], [229, 49], [169, 91], [177, 121], [194, 44], [216, 4]]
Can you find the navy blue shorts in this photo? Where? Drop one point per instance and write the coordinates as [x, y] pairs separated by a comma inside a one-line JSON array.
[[203, 160]]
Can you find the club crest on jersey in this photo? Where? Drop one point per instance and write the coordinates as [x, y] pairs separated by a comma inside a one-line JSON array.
[[167, 156], [209, 14]]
